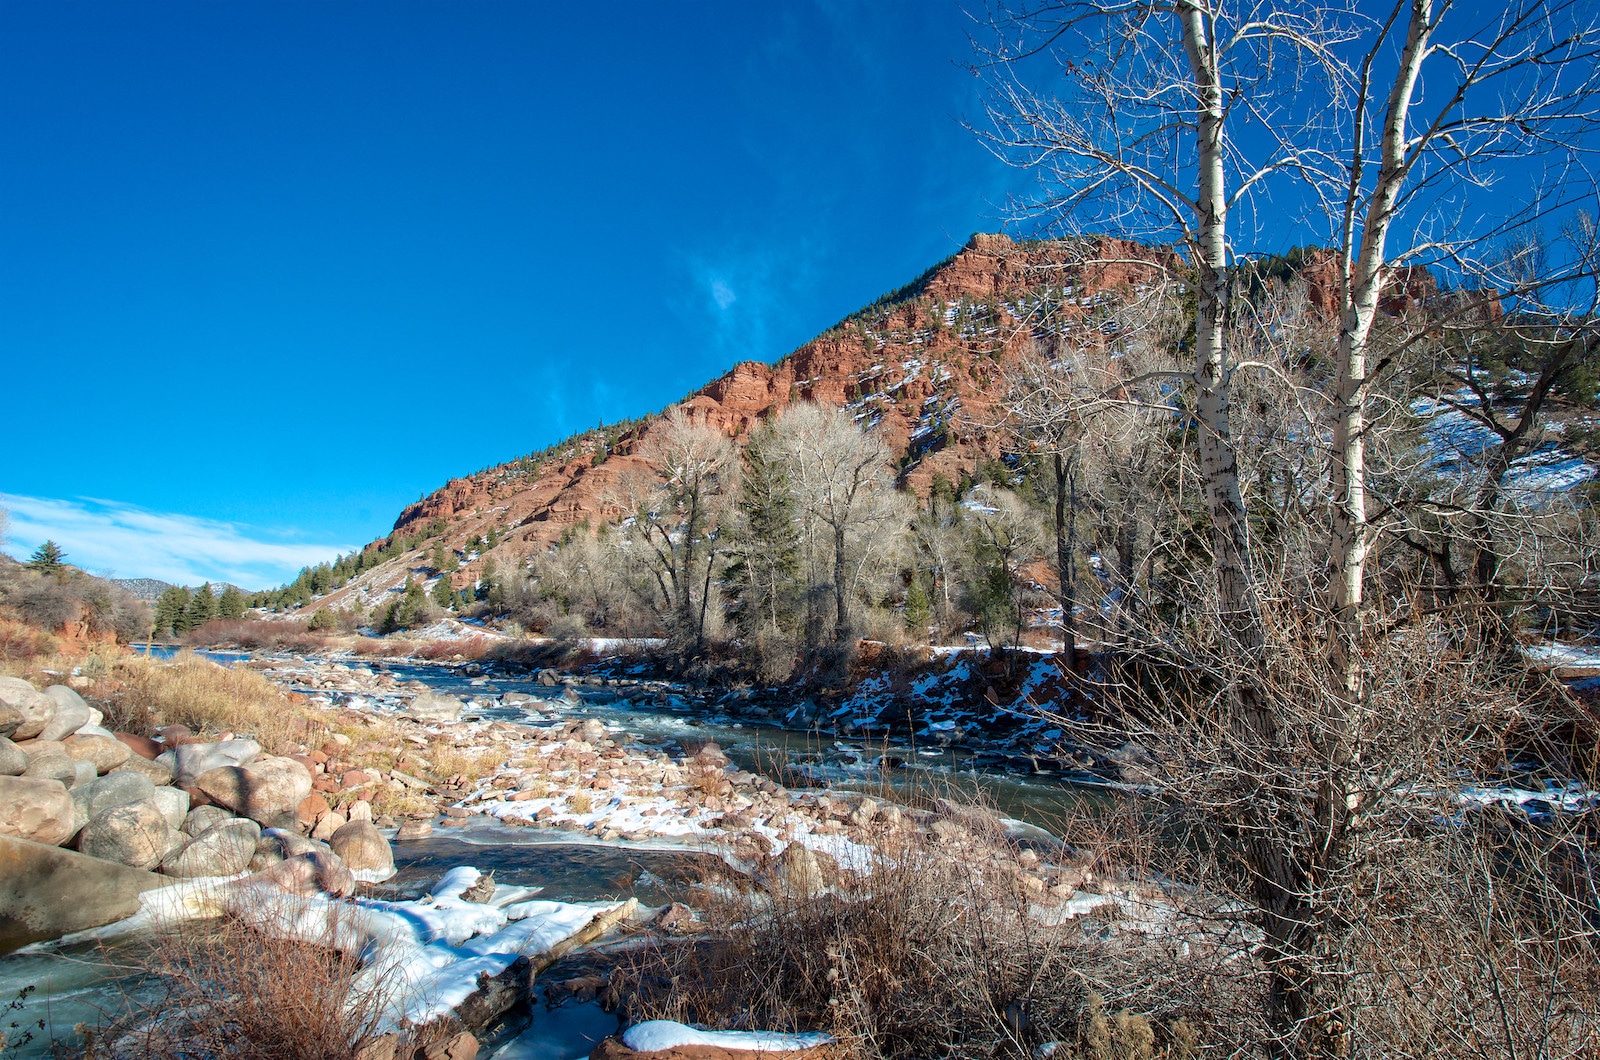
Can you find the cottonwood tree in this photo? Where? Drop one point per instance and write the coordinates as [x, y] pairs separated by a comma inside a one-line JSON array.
[[1172, 121], [676, 506], [851, 516]]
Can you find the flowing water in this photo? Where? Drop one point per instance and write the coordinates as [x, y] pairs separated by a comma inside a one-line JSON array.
[[86, 982]]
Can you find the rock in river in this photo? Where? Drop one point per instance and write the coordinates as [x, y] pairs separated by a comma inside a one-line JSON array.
[[221, 850], [265, 790], [364, 850]]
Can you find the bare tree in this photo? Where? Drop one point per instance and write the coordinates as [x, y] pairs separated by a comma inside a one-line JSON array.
[[843, 481], [676, 506]]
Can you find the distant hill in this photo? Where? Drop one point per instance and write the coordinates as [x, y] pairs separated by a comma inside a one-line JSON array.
[[148, 589]]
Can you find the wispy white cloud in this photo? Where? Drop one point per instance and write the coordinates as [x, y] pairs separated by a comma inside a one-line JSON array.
[[132, 542]]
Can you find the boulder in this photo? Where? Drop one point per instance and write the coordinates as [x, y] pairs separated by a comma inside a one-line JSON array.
[[13, 759], [103, 752], [135, 835], [201, 818], [49, 891], [50, 762], [310, 873], [665, 1040], [799, 875], [72, 713], [142, 746], [280, 844], [112, 790], [265, 790], [328, 824], [430, 708], [174, 803], [187, 761], [410, 830], [154, 772], [360, 810], [461, 1047], [24, 710], [364, 851], [36, 810], [224, 849], [311, 810], [84, 772]]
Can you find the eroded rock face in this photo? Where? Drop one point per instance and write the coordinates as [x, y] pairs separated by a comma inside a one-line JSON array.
[[71, 713], [24, 710], [266, 790], [364, 850], [221, 850], [36, 810], [135, 835]]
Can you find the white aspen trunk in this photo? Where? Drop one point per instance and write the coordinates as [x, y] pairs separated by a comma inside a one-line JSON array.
[[1361, 284], [1241, 612]]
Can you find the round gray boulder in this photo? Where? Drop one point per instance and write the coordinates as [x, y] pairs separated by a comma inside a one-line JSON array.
[[72, 713], [103, 752], [265, 790], [188, 761], [364, 851], [13, 759], [433, 709], [310, 873], [201, 818], [135, 835], [112, 790], [154, 772], [221, 850], [24, 711], [40, 810], [174, 803], [51, 763]]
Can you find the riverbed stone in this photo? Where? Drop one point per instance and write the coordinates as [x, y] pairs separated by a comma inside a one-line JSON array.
[[13, 759], [224, 849], [313, 872], [142, 746], [50, 891], [113, 789], [50, 763], [156, 774], [71, 713], [265, 791], [105, 753], [328, 824], [431, 708], [39, 810], [201, 818], [187, 761], [799, 875], [134, 835], [174, 803], [364, 850], [24, 710], [410, 830]]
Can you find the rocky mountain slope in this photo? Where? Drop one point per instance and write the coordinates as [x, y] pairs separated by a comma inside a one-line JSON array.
[[922, 364]]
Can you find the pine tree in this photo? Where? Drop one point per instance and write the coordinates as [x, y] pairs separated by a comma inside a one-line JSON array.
[[202, 607], [171, 608], [766, 562], [442, 593], [48, 558], [231, 603], [919, 612]]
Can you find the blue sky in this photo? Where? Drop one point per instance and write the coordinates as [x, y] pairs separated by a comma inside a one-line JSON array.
[[269, 272]]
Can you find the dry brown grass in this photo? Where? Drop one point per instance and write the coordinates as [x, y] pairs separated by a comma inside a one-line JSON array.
[[19, 641], [449, 760], [580, 802], [936, 952], [209, 699], [230, 990]]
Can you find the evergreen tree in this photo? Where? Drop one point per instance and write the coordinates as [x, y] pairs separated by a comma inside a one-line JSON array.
[[438, 559], [202, 607], [919, 612], [494, 536], [765, 570], [171, 611], [231, 603], [48, 558], [442, 593]]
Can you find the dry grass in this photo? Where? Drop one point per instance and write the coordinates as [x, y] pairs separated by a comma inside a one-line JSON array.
[[230, 990], [449, 760], [256, 634], [938, 951], [19, 641], [209, 699], [580, 802]]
